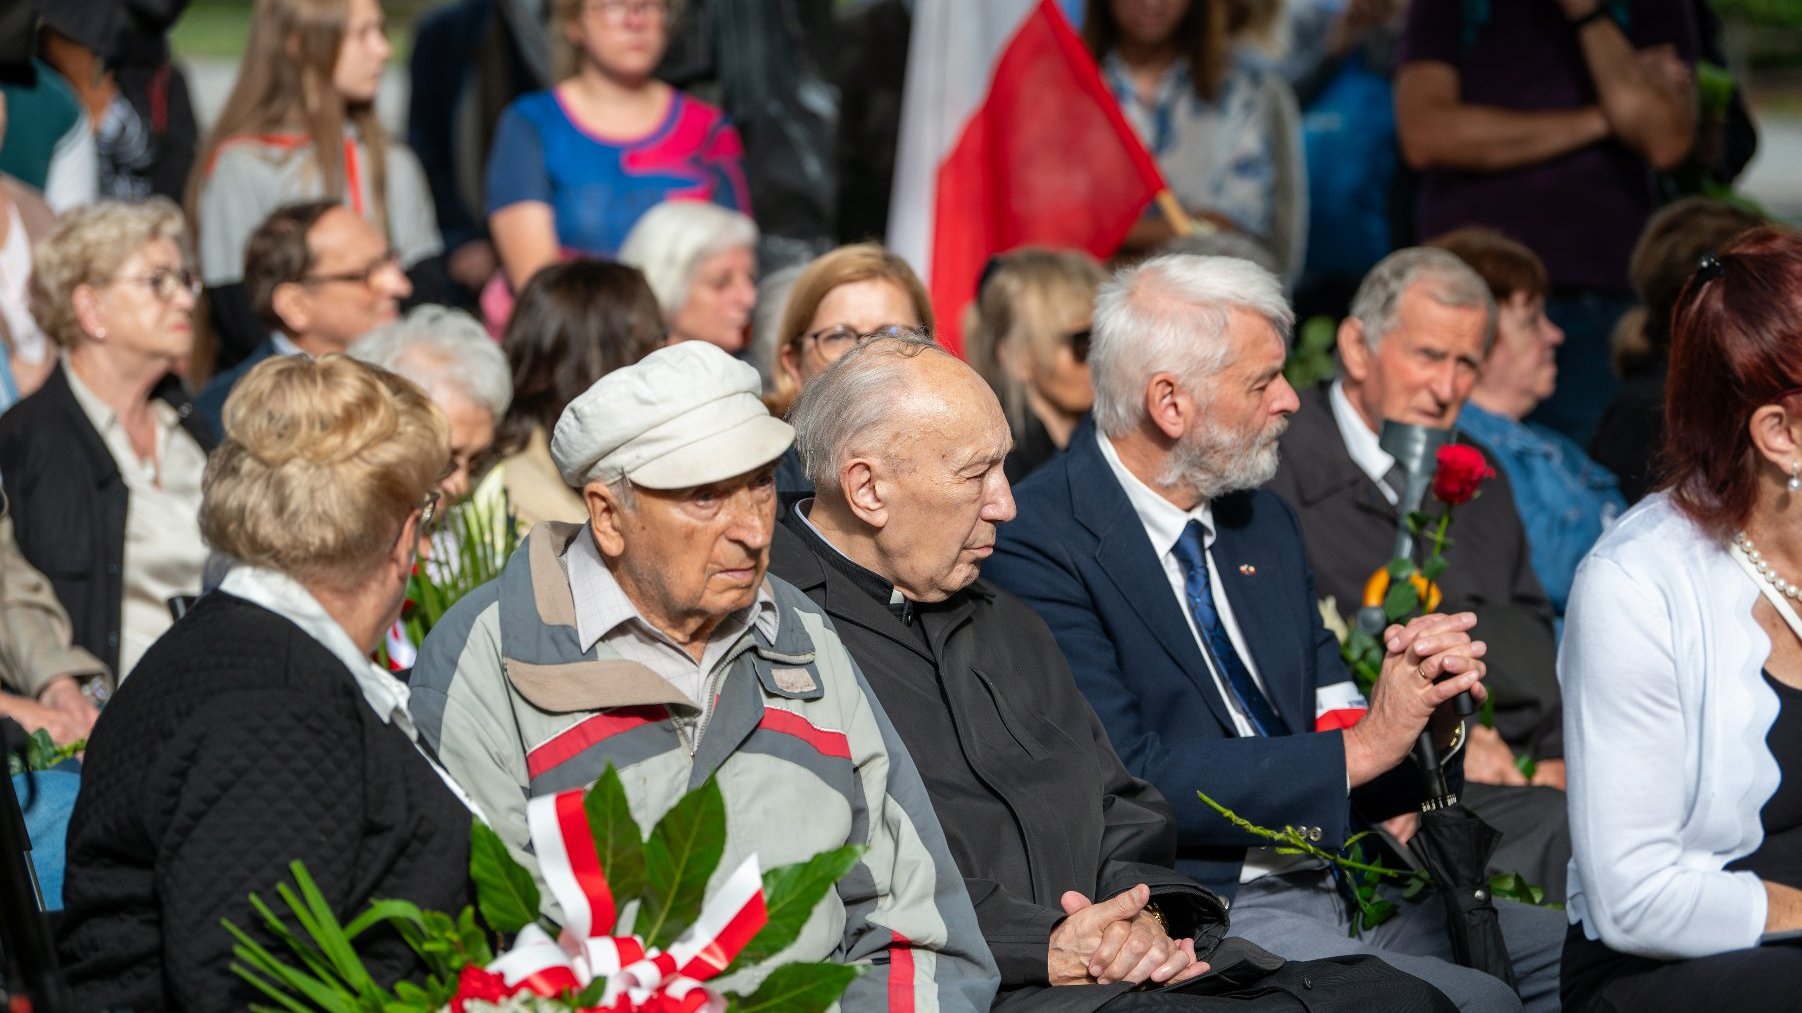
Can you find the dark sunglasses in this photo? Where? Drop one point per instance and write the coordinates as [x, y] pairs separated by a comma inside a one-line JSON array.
[[1079, 345]]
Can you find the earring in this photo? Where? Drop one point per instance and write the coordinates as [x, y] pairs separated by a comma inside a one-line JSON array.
[[1795, 477], [99, 334]]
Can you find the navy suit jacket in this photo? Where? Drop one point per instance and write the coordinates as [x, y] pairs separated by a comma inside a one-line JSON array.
[[210, 402], [1078, 554]]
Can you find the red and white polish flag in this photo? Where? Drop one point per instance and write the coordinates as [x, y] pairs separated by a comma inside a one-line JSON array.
[[1009, 138]]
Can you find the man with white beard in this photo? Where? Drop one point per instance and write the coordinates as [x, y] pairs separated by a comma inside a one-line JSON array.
[[1180, 594]]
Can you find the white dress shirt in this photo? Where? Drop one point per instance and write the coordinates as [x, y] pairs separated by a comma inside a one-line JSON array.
[[1365, 448], [1164, 523], [605, 611], [164, 554]]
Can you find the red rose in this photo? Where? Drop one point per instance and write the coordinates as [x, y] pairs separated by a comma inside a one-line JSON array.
[[479, 984], [1461, 469]]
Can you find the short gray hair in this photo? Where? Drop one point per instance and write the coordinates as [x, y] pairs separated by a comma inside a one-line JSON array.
[[1449, 281], [852, 397], [1169, 314], [435, 347], [671, 239]]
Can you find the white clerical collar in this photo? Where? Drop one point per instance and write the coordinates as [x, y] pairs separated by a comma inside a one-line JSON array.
[[1365, 449], [1162, 520]]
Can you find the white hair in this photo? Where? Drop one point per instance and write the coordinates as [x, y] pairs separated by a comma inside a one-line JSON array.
[[851, 398], [1449, 282], [438, 347], [672, 238], [1169, 314]]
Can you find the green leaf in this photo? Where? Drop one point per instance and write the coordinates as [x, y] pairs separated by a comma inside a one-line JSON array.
[[1434, 568], [1400, 568], [1526, 765], [790, 893], [591, 994], [505, 891], [617, 840], [798, 988], [1416, 886], [680, 855], [1401, 601]]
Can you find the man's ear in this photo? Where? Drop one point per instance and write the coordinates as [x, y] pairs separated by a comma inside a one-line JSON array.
[[1354, 352], [1167, 405], [1777, 435], [606, 519], [861, 483], [293, 305]]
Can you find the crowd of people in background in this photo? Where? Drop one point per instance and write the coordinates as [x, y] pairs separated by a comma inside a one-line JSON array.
[[1038, 597]]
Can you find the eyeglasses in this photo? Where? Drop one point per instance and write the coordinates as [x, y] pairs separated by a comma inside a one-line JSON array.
[[617, 11], [165, 282], [837, 339], [428, 510], [386, 261], [1079, 345]]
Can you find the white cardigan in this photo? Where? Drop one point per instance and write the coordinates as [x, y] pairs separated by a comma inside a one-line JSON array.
[[1665, 716]]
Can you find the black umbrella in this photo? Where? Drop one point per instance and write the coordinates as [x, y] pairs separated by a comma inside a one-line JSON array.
[[1453, 843]]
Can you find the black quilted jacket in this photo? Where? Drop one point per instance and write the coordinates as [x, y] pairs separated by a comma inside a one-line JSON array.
[[238, 745]]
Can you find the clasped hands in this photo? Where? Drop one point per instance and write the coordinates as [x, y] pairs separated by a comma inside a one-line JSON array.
[[1426, 663], [1116, 940]]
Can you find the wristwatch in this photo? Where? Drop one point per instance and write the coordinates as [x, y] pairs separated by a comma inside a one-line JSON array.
[[1599, 13]]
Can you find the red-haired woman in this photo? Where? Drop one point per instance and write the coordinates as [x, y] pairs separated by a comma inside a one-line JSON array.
[[1682, 673]]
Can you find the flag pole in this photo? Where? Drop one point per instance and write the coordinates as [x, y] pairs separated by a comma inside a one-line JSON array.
[[1172, 210]]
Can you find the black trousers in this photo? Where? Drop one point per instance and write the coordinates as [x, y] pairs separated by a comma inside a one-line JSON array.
[[1764, 979], [1350, 983]]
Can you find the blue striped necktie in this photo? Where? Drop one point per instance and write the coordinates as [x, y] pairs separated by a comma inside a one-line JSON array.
[[1191, 552]]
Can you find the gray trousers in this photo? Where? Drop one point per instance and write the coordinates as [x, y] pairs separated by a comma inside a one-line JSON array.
[[1301, 916]]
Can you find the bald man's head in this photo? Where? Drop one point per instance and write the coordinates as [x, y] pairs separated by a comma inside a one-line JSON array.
[[905, 445]]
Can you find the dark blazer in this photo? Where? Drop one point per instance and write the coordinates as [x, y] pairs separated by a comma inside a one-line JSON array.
[[1079, 556], [1032, 798], [1350, 529], [241, 744], [69, 502], [210, 402]]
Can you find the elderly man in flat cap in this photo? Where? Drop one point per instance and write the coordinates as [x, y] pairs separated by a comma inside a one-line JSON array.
[[652, 638]]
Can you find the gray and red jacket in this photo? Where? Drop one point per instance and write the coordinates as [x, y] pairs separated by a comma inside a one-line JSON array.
[[803, 754]]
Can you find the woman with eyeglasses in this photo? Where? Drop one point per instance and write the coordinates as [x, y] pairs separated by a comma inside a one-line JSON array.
[[1028, 335], [840, 298], [299, 125], [573, 167], [257, 732], [1682, 674], [103, 463]]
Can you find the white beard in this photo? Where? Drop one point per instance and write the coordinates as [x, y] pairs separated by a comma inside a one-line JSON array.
[[1215, 462]]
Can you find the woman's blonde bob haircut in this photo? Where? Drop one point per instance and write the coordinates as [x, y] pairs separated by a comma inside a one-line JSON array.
[[1027, 307], [87, 247], [843, 266], [323, 460]]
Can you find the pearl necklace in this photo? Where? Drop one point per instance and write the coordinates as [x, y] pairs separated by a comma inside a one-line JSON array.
[[1765, 572]]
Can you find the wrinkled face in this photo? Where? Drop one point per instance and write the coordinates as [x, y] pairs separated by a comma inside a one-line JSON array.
[[943, 485], [624, 39], [1422, 370], [720, 297], [356, 283], [146, 309], [1149, 22], [472, 433], [1523, 364], [1243, 412], [700, 552], [857, 307], [363, 54]]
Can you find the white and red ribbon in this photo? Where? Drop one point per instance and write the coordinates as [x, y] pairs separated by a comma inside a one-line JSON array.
[[640, 979]]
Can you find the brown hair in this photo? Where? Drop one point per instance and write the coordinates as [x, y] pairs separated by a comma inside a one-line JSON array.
[[1027, 302], [284, 82], [1665, 257], [278, 253], [1736, 345], [1507, 267], [575, 322], [1204, 35], [843, 266], [322, 462]]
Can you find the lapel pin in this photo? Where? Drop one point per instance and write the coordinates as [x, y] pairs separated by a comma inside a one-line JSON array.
[[1248, 569]]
